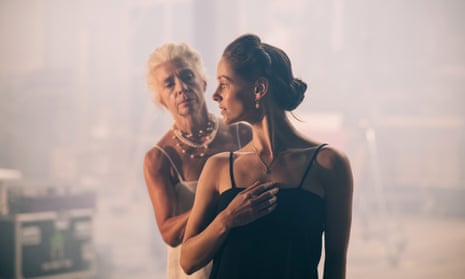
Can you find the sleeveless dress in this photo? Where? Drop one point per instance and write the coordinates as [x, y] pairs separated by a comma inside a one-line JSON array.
[[185, 190], [286, 244]]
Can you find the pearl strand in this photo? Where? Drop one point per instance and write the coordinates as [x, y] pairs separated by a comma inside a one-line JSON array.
[[181, 138]]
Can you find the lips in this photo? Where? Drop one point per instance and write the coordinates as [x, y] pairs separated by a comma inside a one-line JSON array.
[[185, 102]]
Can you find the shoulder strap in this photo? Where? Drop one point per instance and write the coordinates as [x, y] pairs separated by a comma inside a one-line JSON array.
[[180, 177], [231, 173], [311, 164]]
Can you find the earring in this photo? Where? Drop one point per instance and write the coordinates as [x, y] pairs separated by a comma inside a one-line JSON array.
[[257, 100]]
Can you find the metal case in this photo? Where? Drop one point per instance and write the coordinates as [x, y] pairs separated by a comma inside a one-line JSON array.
[[51, 244]]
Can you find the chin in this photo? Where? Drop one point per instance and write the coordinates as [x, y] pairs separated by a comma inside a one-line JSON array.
[[229, 121], [226, 121]]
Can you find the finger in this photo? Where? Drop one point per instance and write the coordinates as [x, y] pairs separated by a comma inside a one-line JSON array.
[[256, 191], [265, 203], [252, 187], [265, 211], [269, 193]]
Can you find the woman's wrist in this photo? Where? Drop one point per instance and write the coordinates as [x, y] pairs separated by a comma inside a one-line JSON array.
[[224, 222]]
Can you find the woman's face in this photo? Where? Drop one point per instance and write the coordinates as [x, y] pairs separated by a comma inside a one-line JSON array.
[[234, 95], [180, 86]]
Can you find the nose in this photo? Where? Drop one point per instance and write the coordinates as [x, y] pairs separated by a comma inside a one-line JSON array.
[[216, 96], [180, 86]]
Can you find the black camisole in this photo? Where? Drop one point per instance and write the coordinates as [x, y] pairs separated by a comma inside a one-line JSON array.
[[282, 245]]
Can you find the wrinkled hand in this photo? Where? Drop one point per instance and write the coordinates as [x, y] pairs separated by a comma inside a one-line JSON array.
[[251, 204]]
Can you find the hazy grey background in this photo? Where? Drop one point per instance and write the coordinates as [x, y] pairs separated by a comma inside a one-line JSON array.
[[387, 85]]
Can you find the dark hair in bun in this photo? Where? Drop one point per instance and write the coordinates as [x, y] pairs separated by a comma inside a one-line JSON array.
[[250, 59]]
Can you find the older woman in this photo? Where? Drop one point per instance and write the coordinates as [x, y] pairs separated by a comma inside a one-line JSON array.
[[172, 166], [260, 212]]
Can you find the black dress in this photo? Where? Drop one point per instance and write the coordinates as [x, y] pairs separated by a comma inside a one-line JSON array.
[[284, 244]]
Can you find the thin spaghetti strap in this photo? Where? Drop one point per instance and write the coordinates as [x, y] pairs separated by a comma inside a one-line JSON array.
[[231, 173], [310, 164], [180, 177]]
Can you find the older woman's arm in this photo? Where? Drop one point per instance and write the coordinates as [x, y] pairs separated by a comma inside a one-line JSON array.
[[163, 197]]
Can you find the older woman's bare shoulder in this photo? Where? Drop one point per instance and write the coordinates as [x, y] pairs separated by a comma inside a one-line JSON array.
[[156, 156]]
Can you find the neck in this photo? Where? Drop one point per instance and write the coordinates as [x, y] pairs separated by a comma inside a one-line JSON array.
[[271, 134], [196, 143], [192, 123]]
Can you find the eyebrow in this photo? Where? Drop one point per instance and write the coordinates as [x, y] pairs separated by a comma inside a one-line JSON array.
[[224, 77], [168, 79], [183, 70]]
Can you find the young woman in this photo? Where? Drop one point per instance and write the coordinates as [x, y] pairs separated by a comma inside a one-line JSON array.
[[260, 212]]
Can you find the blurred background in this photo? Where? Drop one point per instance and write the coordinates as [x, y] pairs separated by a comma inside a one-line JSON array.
[[386, 85]]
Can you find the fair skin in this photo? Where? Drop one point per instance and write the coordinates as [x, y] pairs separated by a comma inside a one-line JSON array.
[[280, 146], [182, 90]]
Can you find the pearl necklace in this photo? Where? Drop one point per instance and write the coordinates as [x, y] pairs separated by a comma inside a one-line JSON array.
[[186, 150], [183, 138]]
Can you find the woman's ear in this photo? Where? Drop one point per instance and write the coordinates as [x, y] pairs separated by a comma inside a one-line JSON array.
[[261, 87]]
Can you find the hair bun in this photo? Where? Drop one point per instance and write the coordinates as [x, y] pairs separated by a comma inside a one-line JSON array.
[[298, 88]]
